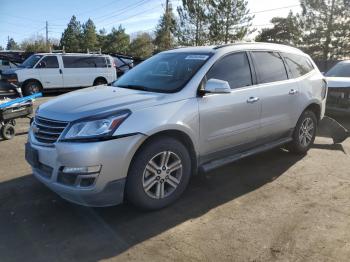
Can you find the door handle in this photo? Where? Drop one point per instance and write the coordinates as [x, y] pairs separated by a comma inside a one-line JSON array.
[[293, 91], [60, 71], [253, 99]]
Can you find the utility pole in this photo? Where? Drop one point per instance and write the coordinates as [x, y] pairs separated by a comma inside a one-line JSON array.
[[47, 34]]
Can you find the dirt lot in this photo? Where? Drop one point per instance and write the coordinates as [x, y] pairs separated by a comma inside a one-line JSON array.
[[271, 207]]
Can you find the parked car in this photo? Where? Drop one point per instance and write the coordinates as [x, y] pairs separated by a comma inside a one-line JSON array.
[[46, 71], [338, 78], [6, 64], [178, 112], [122, 63]]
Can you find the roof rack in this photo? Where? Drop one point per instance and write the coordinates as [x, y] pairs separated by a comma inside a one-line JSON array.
[[99, 52], [57, 51]]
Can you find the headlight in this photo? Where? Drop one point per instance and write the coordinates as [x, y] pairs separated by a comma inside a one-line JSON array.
[[98, 127], [11, 78]]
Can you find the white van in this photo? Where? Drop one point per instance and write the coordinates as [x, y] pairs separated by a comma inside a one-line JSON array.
[[61, 70]]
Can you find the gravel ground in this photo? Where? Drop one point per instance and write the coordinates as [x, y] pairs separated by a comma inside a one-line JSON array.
[[271, 207]]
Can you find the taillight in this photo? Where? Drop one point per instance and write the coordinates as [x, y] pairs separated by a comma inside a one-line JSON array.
[[324, 88], [113, 64]]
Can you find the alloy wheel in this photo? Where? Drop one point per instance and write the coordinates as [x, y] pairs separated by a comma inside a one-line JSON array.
[[162, 175], [306, 132]]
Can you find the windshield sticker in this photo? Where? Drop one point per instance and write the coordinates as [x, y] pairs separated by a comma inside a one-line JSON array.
[[197, 57]]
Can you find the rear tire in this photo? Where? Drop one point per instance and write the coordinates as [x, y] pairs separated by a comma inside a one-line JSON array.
[[8, 131], [31, 87], [100, 81], [304, 133], [159, 174]]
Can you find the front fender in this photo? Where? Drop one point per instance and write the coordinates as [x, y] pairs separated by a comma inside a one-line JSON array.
[[180, 115]]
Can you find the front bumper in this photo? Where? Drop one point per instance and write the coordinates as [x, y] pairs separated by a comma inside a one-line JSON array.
[[114, 157]]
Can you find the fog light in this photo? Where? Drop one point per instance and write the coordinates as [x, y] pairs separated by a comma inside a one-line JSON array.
[[82, 170]]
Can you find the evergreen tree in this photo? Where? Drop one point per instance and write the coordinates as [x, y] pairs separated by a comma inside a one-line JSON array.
[[1, 48], [326, 26], [164, 35], [12, 45], [89, 36], [192, 27], [102, 38], [117, 41], [229, 20], [142, 46], [284, 31], [72, 36], [34, 44]]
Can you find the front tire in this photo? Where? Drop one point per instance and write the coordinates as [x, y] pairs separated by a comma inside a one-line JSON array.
[[31, 87], [304, 133], [159, 174]]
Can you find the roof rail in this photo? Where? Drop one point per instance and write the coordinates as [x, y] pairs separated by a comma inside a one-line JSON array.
[[232, 44]]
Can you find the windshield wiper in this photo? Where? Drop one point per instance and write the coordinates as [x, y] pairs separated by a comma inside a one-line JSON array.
[[135, 87]]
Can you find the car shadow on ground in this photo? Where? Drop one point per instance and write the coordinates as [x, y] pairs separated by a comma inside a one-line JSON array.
[[37, 225]]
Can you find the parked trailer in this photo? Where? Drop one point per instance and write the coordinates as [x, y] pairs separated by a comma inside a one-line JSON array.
[[11, 110]]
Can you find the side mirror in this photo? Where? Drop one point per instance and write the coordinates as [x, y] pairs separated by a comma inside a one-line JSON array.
[[216, 86]]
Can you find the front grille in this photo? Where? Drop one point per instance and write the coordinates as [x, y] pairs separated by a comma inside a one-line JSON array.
[[47, 130]]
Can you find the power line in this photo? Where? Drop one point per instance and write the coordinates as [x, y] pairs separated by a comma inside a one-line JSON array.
[[274, 9], [89, 10], [109, 15], [126, 9], [21, 17], [126, 18]]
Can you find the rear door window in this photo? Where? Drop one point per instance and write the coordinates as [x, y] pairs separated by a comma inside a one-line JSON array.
[[234, 69], [49, 62], [270, 67], [84, 62], [298, 65]]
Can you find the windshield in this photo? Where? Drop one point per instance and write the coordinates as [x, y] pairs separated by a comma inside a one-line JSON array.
[[165, 73], [339, 70], [31, 61]]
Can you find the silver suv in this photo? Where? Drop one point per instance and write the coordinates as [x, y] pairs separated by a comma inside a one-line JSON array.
[[179, 112]]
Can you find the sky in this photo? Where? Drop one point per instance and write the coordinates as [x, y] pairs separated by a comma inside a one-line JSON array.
[[23, 19]]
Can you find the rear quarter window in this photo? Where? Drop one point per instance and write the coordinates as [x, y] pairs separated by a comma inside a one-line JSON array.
[[269, 66], [298, 65], [84, 62]]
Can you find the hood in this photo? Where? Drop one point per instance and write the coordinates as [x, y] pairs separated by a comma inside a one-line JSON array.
[[336, 82], [10, 71], [96, 100]]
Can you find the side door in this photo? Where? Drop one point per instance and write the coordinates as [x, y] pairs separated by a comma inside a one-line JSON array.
[[229, 122], [300, 68], [76, 71], [50, 72], [278, 95]]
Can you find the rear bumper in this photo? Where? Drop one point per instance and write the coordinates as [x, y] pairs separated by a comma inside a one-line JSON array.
[[107, 186], [338, 100]]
